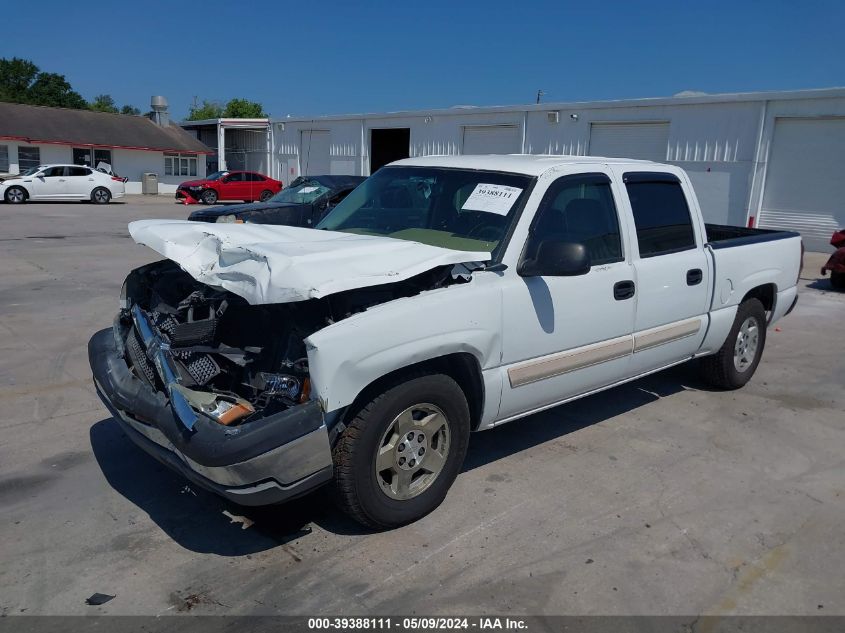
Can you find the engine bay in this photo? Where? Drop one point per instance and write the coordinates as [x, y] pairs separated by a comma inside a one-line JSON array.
[[237, 362]]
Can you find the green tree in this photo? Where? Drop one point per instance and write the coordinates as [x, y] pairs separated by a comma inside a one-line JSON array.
[[244, 109], [208, 110], [103, 103], [52, 89], [128, 109], [16, 76]]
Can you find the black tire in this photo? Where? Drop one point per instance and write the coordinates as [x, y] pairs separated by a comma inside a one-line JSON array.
[[837, 280], [357, 487], [101, 195], [720, 370], [265, 195], [209, 196], [15, 195]]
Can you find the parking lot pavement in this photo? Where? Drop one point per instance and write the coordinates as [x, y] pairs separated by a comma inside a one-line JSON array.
[[659, 497]]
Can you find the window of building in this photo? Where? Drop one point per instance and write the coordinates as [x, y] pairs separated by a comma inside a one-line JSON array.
[[581, 209], [180, 164], [661, 214], [4, 159], [102, 156], [28, 157]]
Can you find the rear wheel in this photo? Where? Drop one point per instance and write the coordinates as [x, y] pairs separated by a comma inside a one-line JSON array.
[[735, 363], [15, 195], [265, 195], [209, 196], [837, 280], [100, 195], [400, 454]]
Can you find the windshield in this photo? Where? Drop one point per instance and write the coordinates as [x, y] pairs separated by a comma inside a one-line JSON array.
[[303, 193], [461, 209], [32, 171], [217, 175]]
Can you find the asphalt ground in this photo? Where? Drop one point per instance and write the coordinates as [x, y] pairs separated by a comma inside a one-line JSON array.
[[657, 497]]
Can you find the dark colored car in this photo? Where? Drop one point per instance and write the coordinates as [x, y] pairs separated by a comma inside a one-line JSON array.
[[229, 185], [303, 204]]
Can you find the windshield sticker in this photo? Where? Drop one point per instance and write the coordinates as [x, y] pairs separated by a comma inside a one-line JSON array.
[[307, 189], [496, 199]]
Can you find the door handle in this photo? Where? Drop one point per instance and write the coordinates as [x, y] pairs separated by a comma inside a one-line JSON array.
[[623, 290], [694, 277]]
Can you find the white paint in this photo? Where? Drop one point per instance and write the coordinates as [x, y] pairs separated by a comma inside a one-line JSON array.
[[280, 264], [502, 319]]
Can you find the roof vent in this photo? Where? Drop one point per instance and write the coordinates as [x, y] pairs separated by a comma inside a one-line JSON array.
[[158, 105]]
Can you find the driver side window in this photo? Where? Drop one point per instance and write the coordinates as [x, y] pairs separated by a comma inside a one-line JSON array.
[[581, 209]]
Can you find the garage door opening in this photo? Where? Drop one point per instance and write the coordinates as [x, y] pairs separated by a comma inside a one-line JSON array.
[[388, 145]]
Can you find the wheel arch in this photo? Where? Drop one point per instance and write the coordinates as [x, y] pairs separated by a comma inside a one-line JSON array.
[[462, 367], [766, 294], [26, 192]]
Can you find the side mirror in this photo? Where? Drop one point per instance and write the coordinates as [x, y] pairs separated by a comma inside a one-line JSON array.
[[553, 258]]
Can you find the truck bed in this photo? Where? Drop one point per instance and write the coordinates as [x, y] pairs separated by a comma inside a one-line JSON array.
[[725, 236]]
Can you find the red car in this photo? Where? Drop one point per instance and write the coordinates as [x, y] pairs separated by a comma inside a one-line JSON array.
[[248, 186]]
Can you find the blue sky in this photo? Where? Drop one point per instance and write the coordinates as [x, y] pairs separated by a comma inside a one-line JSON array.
[[343, 57]]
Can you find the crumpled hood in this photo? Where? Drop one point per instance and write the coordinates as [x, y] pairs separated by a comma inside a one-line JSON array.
[[281, 264], [194, 183]]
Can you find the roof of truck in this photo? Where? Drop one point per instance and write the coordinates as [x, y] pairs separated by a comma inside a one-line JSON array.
[[529, 164]]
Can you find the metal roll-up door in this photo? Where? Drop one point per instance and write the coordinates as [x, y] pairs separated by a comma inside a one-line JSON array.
[[805, 180], [646, 141], [492, 139], [314, 153]]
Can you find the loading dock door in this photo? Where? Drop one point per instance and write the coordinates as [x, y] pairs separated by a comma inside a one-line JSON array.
[[492, 139], [646, 141], [805, 187], [314, 159], [388, 145]]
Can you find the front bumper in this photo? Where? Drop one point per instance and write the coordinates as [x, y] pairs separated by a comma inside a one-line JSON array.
[[263, 462]]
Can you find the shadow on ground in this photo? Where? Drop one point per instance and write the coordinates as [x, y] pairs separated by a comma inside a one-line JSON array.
[[195, 518]]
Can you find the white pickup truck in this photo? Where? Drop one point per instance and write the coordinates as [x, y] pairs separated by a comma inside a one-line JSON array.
[[444, 295]]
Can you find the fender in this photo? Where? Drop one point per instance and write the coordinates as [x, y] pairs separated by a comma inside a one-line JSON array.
[[344, 358]]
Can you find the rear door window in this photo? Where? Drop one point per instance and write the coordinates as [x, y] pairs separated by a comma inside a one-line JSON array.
[[661, 214]]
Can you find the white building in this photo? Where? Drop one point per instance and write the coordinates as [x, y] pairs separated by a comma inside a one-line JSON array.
[[771, 159], [132, 145]]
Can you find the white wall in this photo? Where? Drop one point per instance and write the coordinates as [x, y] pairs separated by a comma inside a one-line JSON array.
[[134, 163]]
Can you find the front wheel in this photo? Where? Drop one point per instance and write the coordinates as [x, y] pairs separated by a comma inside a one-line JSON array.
[[209, 196], [265, 195], [100, 195], [15, 195], [735, 363], [400, 454]]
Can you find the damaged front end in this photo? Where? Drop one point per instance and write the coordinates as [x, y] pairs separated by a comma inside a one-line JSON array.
[[214, 387], [219, 389]]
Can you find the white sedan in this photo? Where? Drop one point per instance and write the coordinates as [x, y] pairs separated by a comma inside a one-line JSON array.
[[62, 182]]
